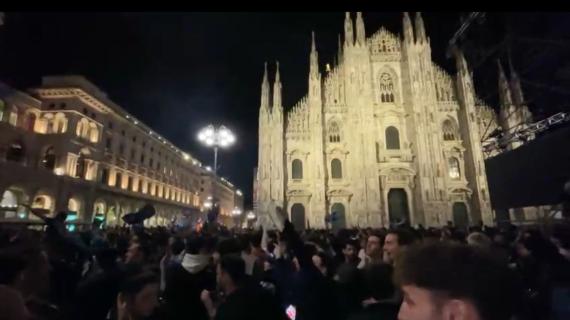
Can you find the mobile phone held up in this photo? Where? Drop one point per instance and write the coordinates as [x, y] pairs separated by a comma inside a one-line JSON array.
[[291, 312]]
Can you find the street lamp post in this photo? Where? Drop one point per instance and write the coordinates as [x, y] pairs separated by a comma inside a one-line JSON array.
[[216, 138]]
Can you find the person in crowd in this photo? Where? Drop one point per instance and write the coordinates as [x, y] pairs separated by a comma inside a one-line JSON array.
[[379, 302], [395, 241], [446, 281], [373, 255], [439, 273], [186, 281], [544, 272], [137, 298], [350, 252], [243, 300]]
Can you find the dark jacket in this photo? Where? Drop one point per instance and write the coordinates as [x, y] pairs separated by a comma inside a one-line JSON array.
[[378, 311], [250, 302], [184, 284], [309, 291]]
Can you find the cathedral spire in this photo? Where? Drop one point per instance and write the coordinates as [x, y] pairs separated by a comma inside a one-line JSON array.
[[504, 90], [360, 33], [265, 91], [515, 84], [277, 105], [348, 30], [460, 62], [407, 25], [339, 49], [420, 29], [314, 68]]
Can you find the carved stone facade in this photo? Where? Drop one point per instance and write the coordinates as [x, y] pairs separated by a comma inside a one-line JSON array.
[[386, 136]]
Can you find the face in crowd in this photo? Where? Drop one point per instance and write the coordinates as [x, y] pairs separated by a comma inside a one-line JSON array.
[[374, 246], [391, 247], [349, 252]]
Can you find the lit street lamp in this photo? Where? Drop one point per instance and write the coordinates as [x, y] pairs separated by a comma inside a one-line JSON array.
[[216, 138], [236, 214]]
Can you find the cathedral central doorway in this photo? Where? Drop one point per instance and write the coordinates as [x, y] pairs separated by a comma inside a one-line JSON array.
[[460, 215], [298, 216], [398, 206], [338, 217]]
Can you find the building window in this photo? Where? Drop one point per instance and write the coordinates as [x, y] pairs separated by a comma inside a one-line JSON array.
[[449, 131], [336, 169], [81, 166], [13, 120], [134, 139], [386, 88], [297, 169], [85, 112], [118, 180], [48, 160], [110, 125], [93, 133], [123, 133], [392, 138], [454, 170], [130, 186], [104, 175], [142, 158], [150, 163], [334, 132], [30, 122], [132, 154], [15, 152], [82, 128], [108, 143], [121, 149]]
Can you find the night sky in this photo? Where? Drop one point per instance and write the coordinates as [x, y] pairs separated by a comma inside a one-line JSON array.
[[178, 72]]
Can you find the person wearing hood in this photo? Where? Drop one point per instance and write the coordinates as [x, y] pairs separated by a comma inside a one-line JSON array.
[[186, 280]]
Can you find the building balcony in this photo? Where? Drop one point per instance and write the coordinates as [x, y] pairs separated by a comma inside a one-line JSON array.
[[396, 155]]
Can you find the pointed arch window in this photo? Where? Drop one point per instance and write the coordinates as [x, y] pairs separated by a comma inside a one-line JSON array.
[[449, 131], [386, 91], [334, 132]]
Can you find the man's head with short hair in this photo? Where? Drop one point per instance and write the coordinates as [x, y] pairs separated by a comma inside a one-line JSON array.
[[195, 244], [139, 293], [230, 272], [374, 245], [454, 281], [394, 241], [350, 250]]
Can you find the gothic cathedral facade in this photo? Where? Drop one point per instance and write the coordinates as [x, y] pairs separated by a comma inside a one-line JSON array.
[[384, 137]]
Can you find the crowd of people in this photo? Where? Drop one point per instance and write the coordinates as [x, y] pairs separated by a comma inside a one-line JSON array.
[[406, 273]]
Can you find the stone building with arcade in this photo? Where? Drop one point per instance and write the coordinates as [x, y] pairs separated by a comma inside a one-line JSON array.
[[66, 146]]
